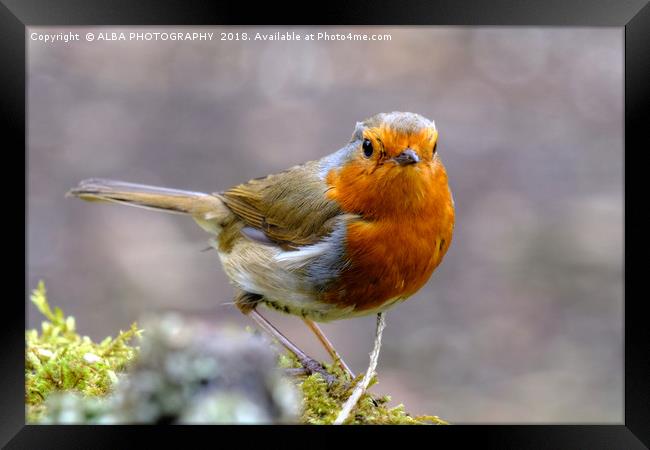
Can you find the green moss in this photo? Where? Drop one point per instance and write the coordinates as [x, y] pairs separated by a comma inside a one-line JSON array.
[[59, 359], [321, 403]]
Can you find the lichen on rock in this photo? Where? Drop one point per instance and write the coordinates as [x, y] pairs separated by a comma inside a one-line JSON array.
[[191, 372]]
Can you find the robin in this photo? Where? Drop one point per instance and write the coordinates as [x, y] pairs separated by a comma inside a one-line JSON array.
[[353, 233]]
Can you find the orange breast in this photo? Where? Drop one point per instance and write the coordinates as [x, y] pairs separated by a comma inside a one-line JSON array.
[[395, 248]]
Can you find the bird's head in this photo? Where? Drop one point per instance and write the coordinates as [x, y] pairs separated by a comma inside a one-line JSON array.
[[396, 139], [391, 166]]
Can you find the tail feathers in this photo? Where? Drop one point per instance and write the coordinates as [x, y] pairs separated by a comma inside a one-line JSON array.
[[198, 204]]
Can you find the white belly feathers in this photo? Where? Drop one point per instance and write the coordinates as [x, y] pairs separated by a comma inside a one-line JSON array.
[[289, 280]]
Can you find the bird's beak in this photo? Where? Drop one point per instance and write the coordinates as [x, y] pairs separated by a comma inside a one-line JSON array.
[[407, 157]]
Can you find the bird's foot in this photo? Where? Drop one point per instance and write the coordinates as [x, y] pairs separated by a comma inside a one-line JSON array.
[[309, 367]]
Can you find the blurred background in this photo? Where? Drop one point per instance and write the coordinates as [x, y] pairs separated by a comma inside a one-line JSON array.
[[522, 322]]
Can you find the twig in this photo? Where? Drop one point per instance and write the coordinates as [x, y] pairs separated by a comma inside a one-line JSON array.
[[361, 387]]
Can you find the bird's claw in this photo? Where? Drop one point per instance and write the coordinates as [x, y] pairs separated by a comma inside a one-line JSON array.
[[313, 366]]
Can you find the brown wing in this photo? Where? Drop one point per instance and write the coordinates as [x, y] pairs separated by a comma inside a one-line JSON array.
[[290, 207]]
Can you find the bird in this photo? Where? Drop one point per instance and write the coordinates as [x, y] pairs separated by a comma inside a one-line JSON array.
[[351, 234]]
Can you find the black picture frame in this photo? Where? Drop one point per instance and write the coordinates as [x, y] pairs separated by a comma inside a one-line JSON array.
[[632, 15]]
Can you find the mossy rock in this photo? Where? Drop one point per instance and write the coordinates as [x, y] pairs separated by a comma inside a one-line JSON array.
[[58, 359], [71, 379], [322, 403]]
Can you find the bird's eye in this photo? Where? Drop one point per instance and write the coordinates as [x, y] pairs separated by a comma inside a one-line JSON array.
[[435, 146], [367, 148]]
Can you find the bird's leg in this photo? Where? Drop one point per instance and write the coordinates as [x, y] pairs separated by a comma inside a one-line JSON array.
[[361, 387], [307, 362], [329, 347]]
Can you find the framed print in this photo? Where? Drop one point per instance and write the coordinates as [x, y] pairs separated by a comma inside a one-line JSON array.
[[440, 193]]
